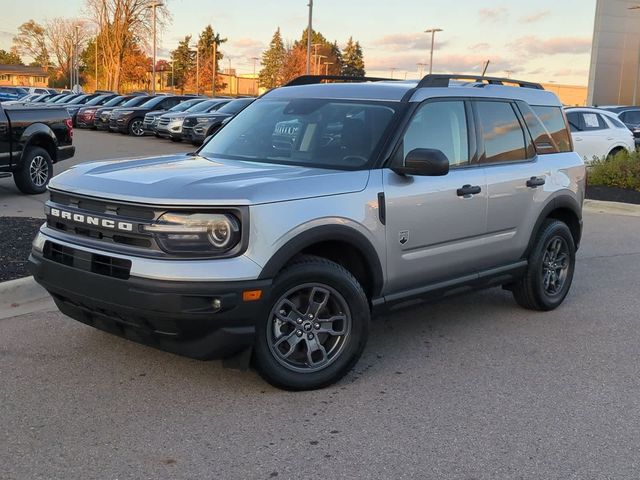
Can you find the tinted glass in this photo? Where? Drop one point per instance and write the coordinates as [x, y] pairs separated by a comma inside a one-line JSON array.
[[186, 105], [553, 120], [80, 99], [632, 117], [503, 136], [137, 101], [235, 106], [115, 101], [440, 126], [313, 132], [616, 123], [201, 106], [574, 121]]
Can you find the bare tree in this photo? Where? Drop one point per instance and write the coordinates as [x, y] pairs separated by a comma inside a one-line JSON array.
[[31, 41], [63, 35], [122, 24]]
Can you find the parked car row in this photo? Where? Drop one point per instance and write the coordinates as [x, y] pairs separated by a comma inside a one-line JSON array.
[[175, 117]]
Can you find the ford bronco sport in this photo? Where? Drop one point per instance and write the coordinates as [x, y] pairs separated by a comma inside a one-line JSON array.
[[316, 207]]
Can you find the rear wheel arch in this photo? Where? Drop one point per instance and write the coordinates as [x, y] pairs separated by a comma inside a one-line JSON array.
[[41, 140], [340, 244], [563, 208]]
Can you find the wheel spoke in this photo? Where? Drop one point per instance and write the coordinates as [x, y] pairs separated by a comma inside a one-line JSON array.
[[292, 341], [318, 299], [328, 325], [313, 346], [293, 309]]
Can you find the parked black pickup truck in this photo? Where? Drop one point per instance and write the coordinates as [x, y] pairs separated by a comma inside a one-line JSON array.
[[31, 141]]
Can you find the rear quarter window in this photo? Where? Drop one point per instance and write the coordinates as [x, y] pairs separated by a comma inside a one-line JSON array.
[[554, 121]]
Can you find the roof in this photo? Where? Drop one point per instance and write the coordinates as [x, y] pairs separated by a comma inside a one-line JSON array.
[[395, 91], [22, 70]]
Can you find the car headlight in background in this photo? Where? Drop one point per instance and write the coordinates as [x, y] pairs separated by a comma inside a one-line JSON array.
[[124, 112], [203, 119], [196, 233]]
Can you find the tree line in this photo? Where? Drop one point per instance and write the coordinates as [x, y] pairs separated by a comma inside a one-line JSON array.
[[282, 62]]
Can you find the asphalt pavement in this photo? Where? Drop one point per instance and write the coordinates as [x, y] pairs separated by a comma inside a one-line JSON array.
[[472, 387], [90, 145]]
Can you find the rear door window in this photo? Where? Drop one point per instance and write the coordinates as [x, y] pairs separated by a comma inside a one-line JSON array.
[[553, 120], [502, 133]]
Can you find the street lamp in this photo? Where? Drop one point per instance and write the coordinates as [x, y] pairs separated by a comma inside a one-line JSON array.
[[635, 85], [197, 68], [153, 5], [309, 30], [76, 67], [433, 32], [255, 80], [326, 67]]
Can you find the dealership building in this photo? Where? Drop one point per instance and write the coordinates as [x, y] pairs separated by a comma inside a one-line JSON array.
[[614, 75]]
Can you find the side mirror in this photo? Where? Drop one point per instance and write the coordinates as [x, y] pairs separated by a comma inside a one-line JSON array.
[[425, 162]]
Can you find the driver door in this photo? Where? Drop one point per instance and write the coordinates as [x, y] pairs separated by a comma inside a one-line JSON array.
[[435, 231]]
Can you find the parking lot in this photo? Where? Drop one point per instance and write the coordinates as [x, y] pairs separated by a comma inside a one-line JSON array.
[[472, 387], [90, 145]]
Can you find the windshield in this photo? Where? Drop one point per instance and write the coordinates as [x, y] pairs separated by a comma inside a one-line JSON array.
[[137, 101], [81, 98], [313, 132], [97, 100], [235, 106], [115, 101], [186, 105], [201, 107]]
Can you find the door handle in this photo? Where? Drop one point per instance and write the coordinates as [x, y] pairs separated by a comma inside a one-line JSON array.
[[534, 182], [467, 191], [610, 138], [578, 139]]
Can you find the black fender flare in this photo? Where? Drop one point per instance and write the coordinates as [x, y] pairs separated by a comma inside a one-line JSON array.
[[566, 202], [325, 233], [34, 134]]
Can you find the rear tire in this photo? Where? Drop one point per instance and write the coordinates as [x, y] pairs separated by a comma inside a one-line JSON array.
[[316, 326], [550, 271], [35, 172]]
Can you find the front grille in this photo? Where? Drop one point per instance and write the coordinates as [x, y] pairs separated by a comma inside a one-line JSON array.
[[85, 219], [163, 122], [190, 122], [87, 261]]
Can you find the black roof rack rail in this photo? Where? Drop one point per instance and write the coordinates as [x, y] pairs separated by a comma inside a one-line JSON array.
[[443, 79], [315, 79]]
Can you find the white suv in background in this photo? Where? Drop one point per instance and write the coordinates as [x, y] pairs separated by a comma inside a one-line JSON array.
[[597, 133]]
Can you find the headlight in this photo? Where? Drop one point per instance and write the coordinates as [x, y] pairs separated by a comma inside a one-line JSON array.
[[177, 119], [196, 233], [124, 112], [203, 119]]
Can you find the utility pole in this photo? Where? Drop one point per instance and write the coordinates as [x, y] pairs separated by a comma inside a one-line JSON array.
[[153, 6], [433, 32], [309, 33]]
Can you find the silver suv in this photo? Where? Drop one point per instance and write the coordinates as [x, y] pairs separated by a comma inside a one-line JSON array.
[[315, 208]]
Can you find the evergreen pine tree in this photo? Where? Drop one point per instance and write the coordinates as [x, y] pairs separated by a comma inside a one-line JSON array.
[[273, 62], [353, 59]]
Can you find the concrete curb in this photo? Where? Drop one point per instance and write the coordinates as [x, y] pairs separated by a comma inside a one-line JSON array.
[[22, 296], [612, 208]]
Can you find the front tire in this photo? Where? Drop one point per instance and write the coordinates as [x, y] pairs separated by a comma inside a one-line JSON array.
[[135, 127], [35, 172], [316, 327], [550, 271]]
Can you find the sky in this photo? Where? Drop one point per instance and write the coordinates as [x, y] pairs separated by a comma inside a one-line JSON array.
[[542, 40]]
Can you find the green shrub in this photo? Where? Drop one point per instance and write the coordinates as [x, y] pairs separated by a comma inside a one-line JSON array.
[[621, 170]]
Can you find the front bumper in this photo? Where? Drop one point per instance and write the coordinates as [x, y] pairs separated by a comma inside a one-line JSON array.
[[175, 316]]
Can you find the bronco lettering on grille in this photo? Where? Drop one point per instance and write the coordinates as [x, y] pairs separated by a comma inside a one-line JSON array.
[[91, 220]]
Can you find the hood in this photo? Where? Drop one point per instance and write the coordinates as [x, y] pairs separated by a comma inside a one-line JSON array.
[[195, 180]]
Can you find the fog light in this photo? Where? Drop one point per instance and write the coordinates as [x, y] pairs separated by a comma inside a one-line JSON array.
[[216, 304]]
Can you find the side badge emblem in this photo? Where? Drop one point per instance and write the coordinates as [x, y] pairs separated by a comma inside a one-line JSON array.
[[403, 237]]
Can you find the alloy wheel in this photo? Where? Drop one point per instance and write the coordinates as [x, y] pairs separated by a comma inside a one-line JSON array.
[[136, 128], [308, 327], [555, 266], [39, 170]]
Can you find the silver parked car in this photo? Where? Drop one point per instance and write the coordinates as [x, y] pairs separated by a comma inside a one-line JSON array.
[[316, 207]]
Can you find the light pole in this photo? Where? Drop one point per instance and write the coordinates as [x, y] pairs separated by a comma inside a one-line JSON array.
[[318, 63], [76, 67], [393, 69], [433, 32], [255, 80], [309, 31], [635, 84], [421, 69], [214, 68], [96, 61], [153, 6], [326, 67], [197, 68]]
